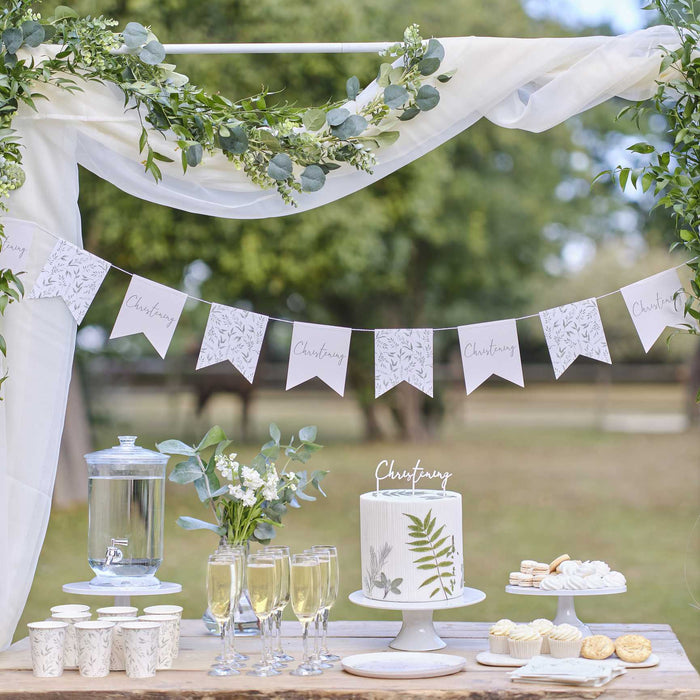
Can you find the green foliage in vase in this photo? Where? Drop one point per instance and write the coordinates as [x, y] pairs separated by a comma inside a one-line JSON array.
[[247, 502], [438, 553], [672, 172], [280, 146]]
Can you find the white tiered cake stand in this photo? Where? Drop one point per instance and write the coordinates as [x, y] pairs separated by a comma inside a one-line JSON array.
[[417, 631], [122, 594], [566, 611]]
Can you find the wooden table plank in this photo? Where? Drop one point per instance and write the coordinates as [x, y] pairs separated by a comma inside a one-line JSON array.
[[673, 678]]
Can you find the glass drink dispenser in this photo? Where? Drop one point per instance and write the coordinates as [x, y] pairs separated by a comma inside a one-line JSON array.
[[126, 489]]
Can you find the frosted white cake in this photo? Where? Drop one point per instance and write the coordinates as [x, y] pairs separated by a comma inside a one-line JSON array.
[[411, 545]]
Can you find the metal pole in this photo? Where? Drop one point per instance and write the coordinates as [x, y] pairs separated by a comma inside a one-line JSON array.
[[359, 47]]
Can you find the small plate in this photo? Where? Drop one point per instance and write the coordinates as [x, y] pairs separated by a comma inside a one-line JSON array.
[[487, 658], [403, 664]]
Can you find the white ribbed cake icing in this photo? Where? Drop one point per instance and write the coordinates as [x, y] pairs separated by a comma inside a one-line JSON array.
[[411, 545]]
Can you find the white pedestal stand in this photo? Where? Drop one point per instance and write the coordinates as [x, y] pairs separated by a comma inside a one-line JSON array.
[[418, 632], [122, 594], [566, 611]]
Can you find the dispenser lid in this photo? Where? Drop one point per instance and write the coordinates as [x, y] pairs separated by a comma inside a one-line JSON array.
[[126, 452]]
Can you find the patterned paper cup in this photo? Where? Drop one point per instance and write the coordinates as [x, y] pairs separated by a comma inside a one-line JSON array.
[[72, 608], [117, 661], [46, 643], [94, 647], [70, 645], [118, 611], [141, 648], [163, 610], [168, 638]]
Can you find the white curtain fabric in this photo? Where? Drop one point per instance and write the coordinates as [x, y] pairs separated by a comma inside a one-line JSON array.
[[530, 84]]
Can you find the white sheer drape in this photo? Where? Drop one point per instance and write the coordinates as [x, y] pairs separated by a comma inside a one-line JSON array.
[[530, 84]]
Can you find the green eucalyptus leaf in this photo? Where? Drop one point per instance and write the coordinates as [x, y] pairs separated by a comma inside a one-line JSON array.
[[353, 126], [186, 472], [445, 77], [10, 60], [12, 38], [135, 35], [395, 75], [308, 434], [194, 154], [64, 12], [383, 75], [352, 87], [312, 178], [427, 98], [386, 138], [187, 523], [264, 531], [314, 119], [175, 447], [33, 33], [275, 433], [395, 96], [268, 139], [152, 53], [435, 50], [214, 436], [428, 66], [236, 141], [335, 117], [280, 167]]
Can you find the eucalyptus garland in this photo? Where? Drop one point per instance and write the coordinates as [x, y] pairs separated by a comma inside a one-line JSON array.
[[288, 148], [672, 172]]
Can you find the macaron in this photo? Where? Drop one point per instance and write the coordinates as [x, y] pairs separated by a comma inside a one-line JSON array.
[[540, 568], [526, 565], [553, 566], [514, 577], [526, 580]]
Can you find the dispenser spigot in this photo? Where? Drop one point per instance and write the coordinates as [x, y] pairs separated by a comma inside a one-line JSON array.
[[114, 555]]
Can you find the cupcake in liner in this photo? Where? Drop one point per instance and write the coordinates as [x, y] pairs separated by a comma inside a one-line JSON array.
[[524, 642], [544, 627], [498, 636], [565, 641]]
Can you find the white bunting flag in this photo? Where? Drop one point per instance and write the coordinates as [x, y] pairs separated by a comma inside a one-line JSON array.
[[152, 309], [72, 274], [403, 355], [234, 335], [573, 330], [16, 246], [319, 351], [490, 348], [653, 304]]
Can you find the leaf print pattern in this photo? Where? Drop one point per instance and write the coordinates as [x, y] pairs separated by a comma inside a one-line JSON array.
[[375, 577], [403, 354], [72, 274], [573, 330], [234, 335], [46, 644]]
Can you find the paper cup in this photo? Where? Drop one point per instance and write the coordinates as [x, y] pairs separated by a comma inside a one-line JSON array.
[[46, 643], [163, 610], [118, 611], [73, 608], [70, 644], [141, 648], [94, 647], [168, 638], [117, 661]]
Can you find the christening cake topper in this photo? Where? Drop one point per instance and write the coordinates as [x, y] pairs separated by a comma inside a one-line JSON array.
[[386, 470]]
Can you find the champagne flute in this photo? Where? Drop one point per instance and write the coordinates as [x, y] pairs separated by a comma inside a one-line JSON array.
[[334, 583], [324, 563], [220, 584], [282, 559], [238, 555], [260, 571], [305, 578]]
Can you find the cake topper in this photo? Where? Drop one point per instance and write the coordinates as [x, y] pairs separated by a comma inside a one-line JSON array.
[[411, 475]]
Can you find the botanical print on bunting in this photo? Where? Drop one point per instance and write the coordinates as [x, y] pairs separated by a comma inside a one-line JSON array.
[[403, 354], [72, 274], [573, 330], [234, 335]]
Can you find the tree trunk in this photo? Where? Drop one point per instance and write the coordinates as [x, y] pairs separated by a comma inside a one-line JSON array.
[[71, 477], [692, 388]]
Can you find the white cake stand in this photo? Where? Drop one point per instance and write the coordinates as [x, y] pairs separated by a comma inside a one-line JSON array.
[[417, 631], [122, 594], [566, 611]]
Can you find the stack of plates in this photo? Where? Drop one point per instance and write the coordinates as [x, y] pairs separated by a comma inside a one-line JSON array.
[[584, 672]]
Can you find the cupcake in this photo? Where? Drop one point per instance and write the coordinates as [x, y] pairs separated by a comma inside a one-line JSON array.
[[544, 627], [565, 641], [498, 636], [524, 642]]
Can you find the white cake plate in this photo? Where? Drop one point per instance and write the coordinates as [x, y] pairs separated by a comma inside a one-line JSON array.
[[122, 594], [417, 631], [566, 611]]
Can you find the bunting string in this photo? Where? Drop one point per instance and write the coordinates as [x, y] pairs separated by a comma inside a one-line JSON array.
[[402, 354]]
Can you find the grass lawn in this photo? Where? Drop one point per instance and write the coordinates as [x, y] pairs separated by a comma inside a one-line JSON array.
[[530, 491]]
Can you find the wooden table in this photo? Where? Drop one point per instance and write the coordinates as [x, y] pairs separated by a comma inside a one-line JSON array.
[[674, 677]]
